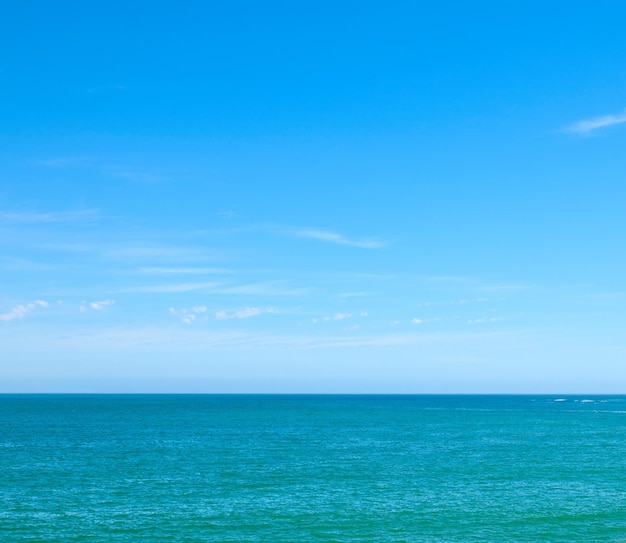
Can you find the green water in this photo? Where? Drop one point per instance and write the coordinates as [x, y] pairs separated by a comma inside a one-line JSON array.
[[312, 468]]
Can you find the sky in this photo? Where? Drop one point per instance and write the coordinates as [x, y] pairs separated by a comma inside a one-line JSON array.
[[313, 197]]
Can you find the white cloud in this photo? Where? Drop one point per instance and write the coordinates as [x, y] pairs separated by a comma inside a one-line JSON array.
[[417, 321], [590, 125], [101, 304], [187, 315], [96, 306], [241, 314], [481, 321], [338, 317], [333, 237], [20, 311], [341, 316]]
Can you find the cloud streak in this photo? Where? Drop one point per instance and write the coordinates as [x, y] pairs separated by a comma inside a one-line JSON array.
[[190, 338], [588, 126], [482, 321], [51, 217], [145, 252], [339, 317], [338, 239], [241, 314], [182, 271], [62, 161], [171, 288]]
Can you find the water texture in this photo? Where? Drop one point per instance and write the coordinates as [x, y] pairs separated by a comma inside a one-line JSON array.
[[312, 468]]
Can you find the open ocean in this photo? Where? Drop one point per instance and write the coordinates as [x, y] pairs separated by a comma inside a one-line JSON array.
[[312, 468]]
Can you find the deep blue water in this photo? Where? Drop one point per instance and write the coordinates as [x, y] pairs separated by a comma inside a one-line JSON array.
[[312, 468]]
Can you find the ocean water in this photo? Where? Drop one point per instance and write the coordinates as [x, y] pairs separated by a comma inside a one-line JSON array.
[[312, 468]]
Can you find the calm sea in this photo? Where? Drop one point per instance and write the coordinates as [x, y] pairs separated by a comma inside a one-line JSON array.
[[312, 468]]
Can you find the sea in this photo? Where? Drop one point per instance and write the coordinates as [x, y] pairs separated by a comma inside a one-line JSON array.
[[283, 468]]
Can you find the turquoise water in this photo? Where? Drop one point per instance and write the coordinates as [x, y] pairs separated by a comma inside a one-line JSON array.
[[312, 468]]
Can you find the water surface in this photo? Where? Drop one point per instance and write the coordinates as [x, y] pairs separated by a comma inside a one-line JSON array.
[[312, 468]]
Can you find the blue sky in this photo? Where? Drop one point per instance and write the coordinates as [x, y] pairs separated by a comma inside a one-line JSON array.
[[313, 197]]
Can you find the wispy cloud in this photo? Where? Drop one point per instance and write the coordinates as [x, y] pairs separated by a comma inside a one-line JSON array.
[[138, 176], [188, 315], [340, 317], [221, 288], [503, 288], [182, 271], [22, 264], [20, 311], [96, 306], [226, 214], [160, 253], [353, 294], [482, 321], [51, 217], [200, 339], [588, 126], [242, 313], [333, 237], [62, 161], [271, 288], [170, 288], [465, 300]]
